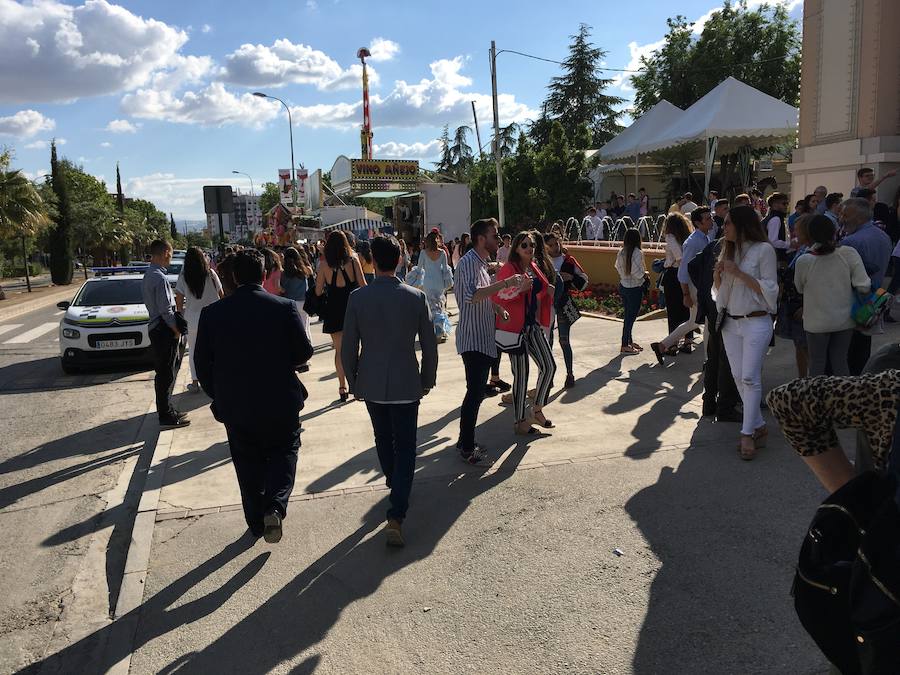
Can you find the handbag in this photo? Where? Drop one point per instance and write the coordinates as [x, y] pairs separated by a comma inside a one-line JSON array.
[[847, 585], [314, 305], [568, 313]]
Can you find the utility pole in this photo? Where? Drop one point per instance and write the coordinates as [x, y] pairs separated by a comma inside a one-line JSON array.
[[477, 132], [496, 144]]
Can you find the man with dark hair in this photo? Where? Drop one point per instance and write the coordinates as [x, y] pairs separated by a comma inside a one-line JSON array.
[[833, 211], [385, 318], [865, 179], [868, 194], [165, 333], [633, 208], [720, 210], [249, 345], [775, 223], [476, 329]]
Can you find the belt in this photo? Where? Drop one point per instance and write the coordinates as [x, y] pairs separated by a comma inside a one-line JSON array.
[[750, 315]]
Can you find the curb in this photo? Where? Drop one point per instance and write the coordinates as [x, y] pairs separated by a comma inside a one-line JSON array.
[[51, 298]]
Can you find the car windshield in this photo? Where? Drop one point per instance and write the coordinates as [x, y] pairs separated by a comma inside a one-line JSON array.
[[174, 267], [111, 292]]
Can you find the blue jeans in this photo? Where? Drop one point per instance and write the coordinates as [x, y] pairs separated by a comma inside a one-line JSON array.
[[631, 298], [395, 425]]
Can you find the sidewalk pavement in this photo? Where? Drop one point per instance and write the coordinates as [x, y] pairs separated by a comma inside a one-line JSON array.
[[20, 303], [511, 569]]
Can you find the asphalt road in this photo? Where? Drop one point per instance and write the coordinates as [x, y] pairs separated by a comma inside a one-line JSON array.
[[65, 442]]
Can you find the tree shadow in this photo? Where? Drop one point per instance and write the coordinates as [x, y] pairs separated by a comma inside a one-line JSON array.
[[726, 534]]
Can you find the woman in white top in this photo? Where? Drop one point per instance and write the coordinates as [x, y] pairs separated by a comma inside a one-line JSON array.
[[630, 266], [200, 287], [828, 277], [745, 286], [677, 228]]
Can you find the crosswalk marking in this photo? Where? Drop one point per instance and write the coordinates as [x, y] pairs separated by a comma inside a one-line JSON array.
[[8, 327], [30, 335]]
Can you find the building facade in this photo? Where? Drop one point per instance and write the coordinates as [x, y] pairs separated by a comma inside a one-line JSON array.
[[849, 96]]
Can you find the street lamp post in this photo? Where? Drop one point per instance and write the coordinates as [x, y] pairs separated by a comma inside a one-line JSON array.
[[291, 130], [252, 193]]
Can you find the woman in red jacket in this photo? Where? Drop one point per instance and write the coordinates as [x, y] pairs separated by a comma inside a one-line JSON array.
[[522, 330]]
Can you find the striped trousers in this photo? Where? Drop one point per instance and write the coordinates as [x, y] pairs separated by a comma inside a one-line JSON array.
[[535, 346]]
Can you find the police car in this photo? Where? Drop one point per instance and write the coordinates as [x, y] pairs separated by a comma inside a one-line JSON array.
[[107, 323]]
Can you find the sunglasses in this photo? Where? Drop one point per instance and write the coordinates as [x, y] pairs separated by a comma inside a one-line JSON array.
[[526, 244]]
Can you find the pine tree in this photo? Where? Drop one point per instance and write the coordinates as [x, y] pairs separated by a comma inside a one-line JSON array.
[[445, 164], [173, 230], [577, 97], [61, 266]]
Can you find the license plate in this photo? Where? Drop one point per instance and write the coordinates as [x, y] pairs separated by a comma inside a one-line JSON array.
[[114, 344]]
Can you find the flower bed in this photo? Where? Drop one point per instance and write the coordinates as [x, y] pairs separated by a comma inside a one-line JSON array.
[[605, 299]]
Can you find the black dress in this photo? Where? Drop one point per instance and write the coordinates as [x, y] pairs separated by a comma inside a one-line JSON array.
[[333, 321]]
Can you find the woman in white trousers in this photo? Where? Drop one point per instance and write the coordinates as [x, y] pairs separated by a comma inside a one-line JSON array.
[[745, 289]]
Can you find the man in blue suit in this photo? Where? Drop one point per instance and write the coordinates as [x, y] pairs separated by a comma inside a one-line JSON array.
[[249, 345], [385, 318]]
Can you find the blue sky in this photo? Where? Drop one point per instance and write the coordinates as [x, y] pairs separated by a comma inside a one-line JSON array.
[[164, 87]]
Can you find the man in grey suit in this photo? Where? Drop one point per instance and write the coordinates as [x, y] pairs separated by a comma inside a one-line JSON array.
[[386, 316]]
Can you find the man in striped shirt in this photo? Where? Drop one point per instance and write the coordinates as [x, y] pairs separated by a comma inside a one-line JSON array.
[[475, 333]]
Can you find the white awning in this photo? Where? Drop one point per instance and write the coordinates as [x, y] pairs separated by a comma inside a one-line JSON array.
[[642, 131], [735, 113]]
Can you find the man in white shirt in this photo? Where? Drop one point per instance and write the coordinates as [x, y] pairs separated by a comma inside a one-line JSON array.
[[775, 223], [689, 203], [594, 225], [702, 221]]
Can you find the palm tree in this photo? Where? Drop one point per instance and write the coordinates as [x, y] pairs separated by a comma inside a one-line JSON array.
[[22, 211]]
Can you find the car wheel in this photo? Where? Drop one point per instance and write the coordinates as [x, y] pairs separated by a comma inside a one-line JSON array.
[[69, 369]]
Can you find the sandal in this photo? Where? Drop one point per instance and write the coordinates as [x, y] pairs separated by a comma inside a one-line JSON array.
[[747, 454], [524, 428], [343, 394], [635, 345], [540, 419], [628, 349]]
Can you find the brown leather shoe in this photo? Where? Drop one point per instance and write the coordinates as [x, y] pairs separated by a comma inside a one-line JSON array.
[[393, 533]]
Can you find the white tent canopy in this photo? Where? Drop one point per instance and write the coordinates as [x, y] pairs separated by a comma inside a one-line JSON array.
[[731, 117], [642, 132], [736, 114]]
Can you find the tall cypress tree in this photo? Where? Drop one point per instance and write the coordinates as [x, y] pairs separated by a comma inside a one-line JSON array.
[[120, 197], [173, 230], [61, 265], [577, 96]]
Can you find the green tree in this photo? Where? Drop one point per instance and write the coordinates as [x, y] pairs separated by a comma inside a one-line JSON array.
[[577, 96], [445, 164], [518, 181], [561, 189], [61, 266], [760, 47], [269, 197], [198, 238], [461, 155], [22, 211], [120, 196]]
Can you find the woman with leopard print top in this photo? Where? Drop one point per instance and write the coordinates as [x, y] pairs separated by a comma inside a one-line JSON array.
[[810, 409]]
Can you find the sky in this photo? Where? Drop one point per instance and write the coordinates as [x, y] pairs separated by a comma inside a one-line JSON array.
[[165, 88]]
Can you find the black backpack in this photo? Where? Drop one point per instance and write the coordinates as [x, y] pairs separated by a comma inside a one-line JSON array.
[[847, 585]]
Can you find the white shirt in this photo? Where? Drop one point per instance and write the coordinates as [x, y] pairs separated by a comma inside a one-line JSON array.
[[757, 260], [636, 278], [194, 305], [774, 229], [673, 251], [828, 283], [595, 228], [558, 262], [688, 207]]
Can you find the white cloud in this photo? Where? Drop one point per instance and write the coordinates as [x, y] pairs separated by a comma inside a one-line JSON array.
[[25, 123], [431, 102], [182, 71], [41, 145], [121, 127], [697, 28], [36, 175], [212, 106], [106, 144], [205, 28], [63, 52], [182, 196], [394, 150], [622, 81], [383, 49], [285, 63]]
